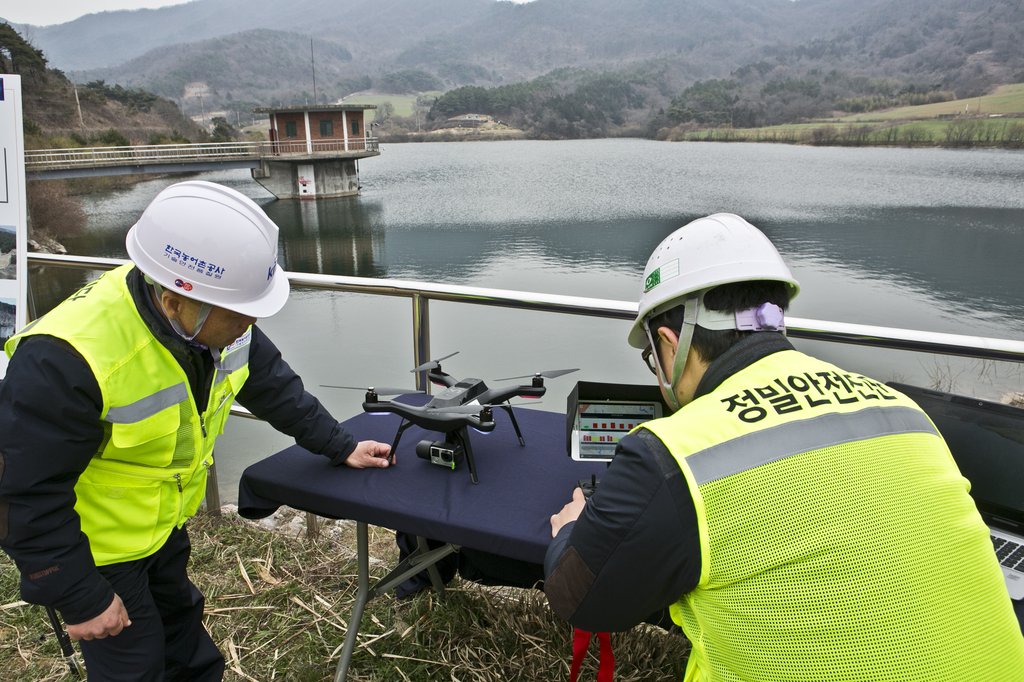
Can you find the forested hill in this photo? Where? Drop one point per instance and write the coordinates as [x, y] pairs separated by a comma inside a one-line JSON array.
[[377, 29], [958, 45], [484, 42], [549, 63], [57, 113]]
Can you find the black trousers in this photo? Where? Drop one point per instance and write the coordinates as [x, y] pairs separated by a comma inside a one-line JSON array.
[[489, 569], [166, 640]]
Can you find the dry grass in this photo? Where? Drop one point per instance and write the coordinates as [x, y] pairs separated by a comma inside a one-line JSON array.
[[278, 607]]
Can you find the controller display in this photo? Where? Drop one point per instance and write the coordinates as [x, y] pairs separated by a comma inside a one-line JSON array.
[[599, 425]]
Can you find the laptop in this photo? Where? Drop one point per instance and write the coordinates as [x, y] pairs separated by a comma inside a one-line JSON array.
[[987, 442]]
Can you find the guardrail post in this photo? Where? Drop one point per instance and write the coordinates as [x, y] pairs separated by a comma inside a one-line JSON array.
[[421, 337]]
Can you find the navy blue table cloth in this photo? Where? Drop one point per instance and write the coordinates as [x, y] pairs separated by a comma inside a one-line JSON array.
[[506, 513]]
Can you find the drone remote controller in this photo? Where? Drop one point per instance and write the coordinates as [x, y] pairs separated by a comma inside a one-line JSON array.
[[588, 486]]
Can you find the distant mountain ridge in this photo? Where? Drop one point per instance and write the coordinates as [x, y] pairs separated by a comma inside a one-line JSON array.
[[255, 50], [233, 66], [110, 38]]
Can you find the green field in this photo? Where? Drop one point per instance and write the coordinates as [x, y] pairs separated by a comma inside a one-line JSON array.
[[1006, 132], [404, 104], [995, 120], [1007, 99]]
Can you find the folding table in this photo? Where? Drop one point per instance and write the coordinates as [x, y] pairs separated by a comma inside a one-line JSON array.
[[507, 513]]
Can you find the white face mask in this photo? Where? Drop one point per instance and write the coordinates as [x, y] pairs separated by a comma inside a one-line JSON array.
[[204, 313]]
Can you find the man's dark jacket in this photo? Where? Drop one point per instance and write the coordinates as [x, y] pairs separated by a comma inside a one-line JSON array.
[[50, 429]]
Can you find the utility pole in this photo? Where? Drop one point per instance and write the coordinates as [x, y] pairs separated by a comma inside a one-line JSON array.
[[312, 65], [81, 121]]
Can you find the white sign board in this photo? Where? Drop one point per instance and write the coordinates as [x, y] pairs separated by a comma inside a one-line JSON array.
[[13, 224]]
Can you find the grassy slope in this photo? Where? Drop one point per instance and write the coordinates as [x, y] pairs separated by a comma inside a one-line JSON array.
[[910, 126], [278, 608], [404, 104], [1006, 99]]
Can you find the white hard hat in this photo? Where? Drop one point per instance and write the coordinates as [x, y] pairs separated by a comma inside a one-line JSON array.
[[719, 249], [213, 244]]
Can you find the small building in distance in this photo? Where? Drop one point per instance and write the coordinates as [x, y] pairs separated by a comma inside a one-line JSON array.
[[315, 150], [467, 121]]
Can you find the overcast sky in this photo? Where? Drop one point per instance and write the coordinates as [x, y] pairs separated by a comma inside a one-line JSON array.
[[46, 12]]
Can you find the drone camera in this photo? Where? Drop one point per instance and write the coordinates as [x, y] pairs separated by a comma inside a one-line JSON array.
[[441, 453]]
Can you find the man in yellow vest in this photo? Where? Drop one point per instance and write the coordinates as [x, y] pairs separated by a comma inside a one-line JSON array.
[[109, 413], [800, 521]]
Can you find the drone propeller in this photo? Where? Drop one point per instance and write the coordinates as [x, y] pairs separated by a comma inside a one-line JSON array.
[[379, 390], [431, 364], [549, 374], [473, 409]]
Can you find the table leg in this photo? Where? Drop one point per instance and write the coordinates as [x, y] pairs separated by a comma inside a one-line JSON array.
[[362, 596], [435, 577], [421, 559], [416, 562]]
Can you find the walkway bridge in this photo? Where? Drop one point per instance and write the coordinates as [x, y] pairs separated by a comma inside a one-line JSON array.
[[59, 164], [264, 159]]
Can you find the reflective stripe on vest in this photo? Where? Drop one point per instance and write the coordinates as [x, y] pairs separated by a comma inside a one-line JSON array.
[[148, 406], [828, 430], [838, 541], [150, 474]]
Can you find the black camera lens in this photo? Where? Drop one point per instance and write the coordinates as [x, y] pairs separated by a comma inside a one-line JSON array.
[[445, 455], [423, 449]]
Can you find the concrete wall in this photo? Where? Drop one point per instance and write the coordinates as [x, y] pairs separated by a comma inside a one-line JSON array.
[[331, 178]]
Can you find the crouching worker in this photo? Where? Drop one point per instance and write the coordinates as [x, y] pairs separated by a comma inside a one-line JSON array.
[[109, 413], [801, 521]]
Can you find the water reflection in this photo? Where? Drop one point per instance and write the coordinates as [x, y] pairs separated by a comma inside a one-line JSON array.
[[342, 236], [926, 239], [963, 259], [929, 238]]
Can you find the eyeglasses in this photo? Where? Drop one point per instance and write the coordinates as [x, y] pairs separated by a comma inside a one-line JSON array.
[[650, 360]]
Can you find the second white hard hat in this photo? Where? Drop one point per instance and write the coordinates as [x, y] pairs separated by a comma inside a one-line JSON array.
[[213, 244], [718, 249]]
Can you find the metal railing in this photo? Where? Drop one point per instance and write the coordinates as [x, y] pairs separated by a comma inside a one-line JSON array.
[[422, 293], [98, 157]]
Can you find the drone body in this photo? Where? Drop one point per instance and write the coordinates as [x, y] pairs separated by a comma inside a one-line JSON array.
[[463, 403]]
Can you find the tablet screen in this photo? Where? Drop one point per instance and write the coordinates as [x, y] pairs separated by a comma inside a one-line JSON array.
[[599, 425]]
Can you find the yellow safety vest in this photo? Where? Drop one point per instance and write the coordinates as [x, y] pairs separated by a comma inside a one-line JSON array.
[[149, 475], [838, 540]]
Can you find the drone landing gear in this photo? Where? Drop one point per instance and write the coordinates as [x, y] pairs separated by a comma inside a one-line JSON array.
[[515, 424], [461, 437], [398, 435]]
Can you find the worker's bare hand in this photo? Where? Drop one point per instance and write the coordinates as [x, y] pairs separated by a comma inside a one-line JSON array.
[[107, 624], [569, 513], [369, 454]]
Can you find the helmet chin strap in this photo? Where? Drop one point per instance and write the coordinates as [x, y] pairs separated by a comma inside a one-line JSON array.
[[765, 317], [685, 337], [204, 313]]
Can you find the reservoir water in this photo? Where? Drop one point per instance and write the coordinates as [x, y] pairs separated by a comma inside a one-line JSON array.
[[920, 239]]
